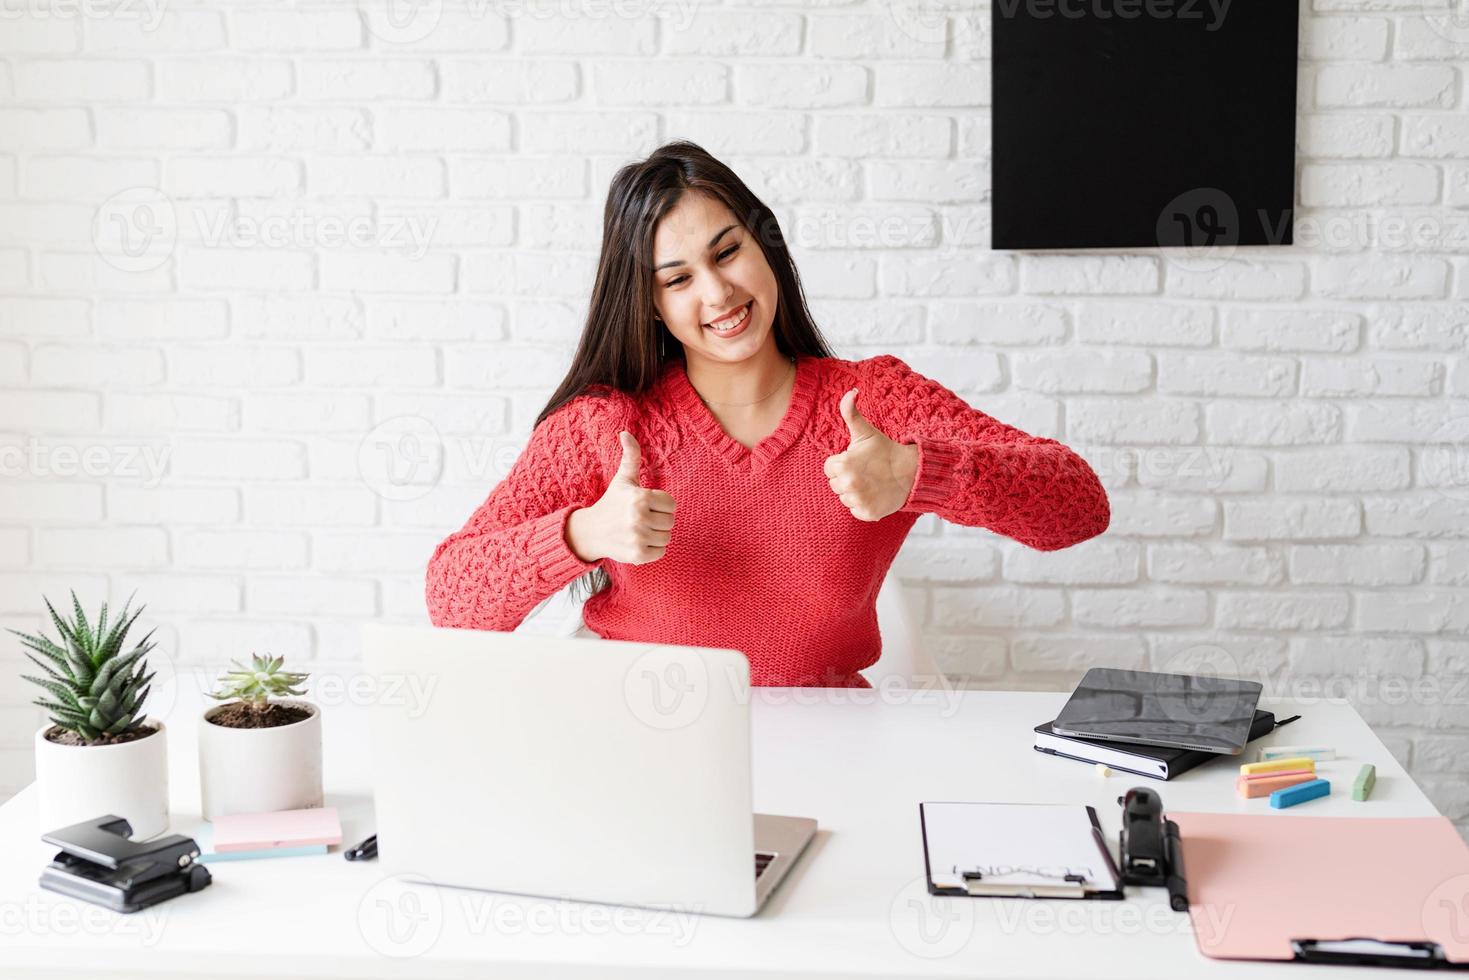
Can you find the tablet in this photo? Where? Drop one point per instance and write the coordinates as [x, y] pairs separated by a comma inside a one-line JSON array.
[[1186, 711]]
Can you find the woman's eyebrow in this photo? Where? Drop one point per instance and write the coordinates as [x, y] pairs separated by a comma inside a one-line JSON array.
[[712, 242]]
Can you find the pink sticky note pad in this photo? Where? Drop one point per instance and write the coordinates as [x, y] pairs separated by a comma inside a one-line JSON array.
[[283, 828]]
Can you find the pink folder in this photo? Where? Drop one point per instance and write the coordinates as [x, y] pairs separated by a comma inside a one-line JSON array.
[[1257, 881], [283, 828]]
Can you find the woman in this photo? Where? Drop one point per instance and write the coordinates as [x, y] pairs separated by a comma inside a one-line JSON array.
[[726, 479]]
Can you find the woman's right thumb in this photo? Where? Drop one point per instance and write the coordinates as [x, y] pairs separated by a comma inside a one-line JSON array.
[[631, 456]]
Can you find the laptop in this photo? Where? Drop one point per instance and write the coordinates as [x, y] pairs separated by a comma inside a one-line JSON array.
[[597, 770]]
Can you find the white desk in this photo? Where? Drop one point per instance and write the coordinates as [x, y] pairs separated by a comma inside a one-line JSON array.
[[855, 906]]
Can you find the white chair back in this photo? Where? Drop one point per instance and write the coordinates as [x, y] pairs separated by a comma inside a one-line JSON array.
[[905, 661]]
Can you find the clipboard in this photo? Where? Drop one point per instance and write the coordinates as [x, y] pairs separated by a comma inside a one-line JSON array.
[[1376, 891], [1016, 850]]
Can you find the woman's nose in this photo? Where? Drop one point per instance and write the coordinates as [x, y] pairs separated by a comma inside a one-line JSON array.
[[717, 296]]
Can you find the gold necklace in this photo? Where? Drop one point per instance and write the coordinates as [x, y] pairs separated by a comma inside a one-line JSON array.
[[756, 401]]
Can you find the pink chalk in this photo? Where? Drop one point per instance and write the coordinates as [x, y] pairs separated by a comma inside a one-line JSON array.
[[1267, 783]]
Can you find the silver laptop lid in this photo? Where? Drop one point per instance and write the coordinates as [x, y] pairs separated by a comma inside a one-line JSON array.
[[589, 769]]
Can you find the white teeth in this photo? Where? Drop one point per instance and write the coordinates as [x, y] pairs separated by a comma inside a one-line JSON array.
[[739, 319]]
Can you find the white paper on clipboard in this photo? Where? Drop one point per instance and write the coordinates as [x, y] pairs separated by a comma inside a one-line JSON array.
[[1020, 847]]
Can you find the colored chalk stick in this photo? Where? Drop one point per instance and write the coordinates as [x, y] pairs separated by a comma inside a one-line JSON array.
[[1366, 779], [1282, 798], [1320, 753], [1277, 765], [1279, 772], [1250, 787]]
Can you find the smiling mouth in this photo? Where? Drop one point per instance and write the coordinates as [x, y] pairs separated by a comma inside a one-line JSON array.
[[731, 320]]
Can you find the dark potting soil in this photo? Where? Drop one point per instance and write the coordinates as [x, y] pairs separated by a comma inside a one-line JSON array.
[[239, 715], [63, 737]]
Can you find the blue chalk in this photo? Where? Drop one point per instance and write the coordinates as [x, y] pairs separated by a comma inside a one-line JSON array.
[[1300, 793]]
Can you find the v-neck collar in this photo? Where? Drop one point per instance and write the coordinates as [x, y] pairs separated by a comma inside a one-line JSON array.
[[697, 415]]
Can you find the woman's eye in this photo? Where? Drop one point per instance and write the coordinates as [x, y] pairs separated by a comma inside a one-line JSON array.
[[722, 255]]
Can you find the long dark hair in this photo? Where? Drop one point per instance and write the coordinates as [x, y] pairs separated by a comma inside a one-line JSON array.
[[622, 346]]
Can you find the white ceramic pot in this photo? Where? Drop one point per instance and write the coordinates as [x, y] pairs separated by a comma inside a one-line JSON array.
[[260, 770], [80, 782]]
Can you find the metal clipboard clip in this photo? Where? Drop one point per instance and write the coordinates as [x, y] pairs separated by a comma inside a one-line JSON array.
[[1361, 951]]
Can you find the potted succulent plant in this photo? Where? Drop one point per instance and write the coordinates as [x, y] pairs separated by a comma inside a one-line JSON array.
[[260, 751], [98, 755]]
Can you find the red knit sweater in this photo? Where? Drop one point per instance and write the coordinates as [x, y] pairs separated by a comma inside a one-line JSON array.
[[763, 558]]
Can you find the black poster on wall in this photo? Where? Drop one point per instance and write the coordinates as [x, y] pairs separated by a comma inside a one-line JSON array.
[[1139, 123]]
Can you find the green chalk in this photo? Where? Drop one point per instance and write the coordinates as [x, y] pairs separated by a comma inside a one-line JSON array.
[[1366, 779]]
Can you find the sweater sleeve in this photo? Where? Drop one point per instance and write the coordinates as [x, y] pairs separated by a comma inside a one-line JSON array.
[[979, 472], [512, 552]]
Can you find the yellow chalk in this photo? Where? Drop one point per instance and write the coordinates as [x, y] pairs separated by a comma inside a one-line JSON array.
[[1275, 765]]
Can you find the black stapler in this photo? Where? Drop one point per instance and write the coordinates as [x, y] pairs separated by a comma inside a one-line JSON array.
[[1151, 848], [99, 863], [1143, 860]]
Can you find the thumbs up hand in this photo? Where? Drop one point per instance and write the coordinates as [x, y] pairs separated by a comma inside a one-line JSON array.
[[875, 474], [629, 523]]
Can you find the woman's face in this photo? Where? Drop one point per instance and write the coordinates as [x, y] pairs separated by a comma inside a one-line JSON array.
[[707, 267]]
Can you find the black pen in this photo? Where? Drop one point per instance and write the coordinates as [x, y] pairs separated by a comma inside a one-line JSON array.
[[1173, 854], [366, 851]]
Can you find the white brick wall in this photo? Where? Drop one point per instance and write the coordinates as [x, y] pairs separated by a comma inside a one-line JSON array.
[[363, 231]]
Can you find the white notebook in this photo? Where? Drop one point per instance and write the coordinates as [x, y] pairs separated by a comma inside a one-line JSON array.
[[1026, 850]]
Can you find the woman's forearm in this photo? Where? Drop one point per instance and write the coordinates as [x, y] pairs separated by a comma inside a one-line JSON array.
[[491, 579]]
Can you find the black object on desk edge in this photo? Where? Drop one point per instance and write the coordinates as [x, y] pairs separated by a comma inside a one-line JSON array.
[[365, 851], [1173, 855]]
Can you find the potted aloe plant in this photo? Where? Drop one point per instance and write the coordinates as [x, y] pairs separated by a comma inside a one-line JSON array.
[[260, 751], [98, 754]]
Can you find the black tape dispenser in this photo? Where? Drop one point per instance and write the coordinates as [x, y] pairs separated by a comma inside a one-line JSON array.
[[99, 863]]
